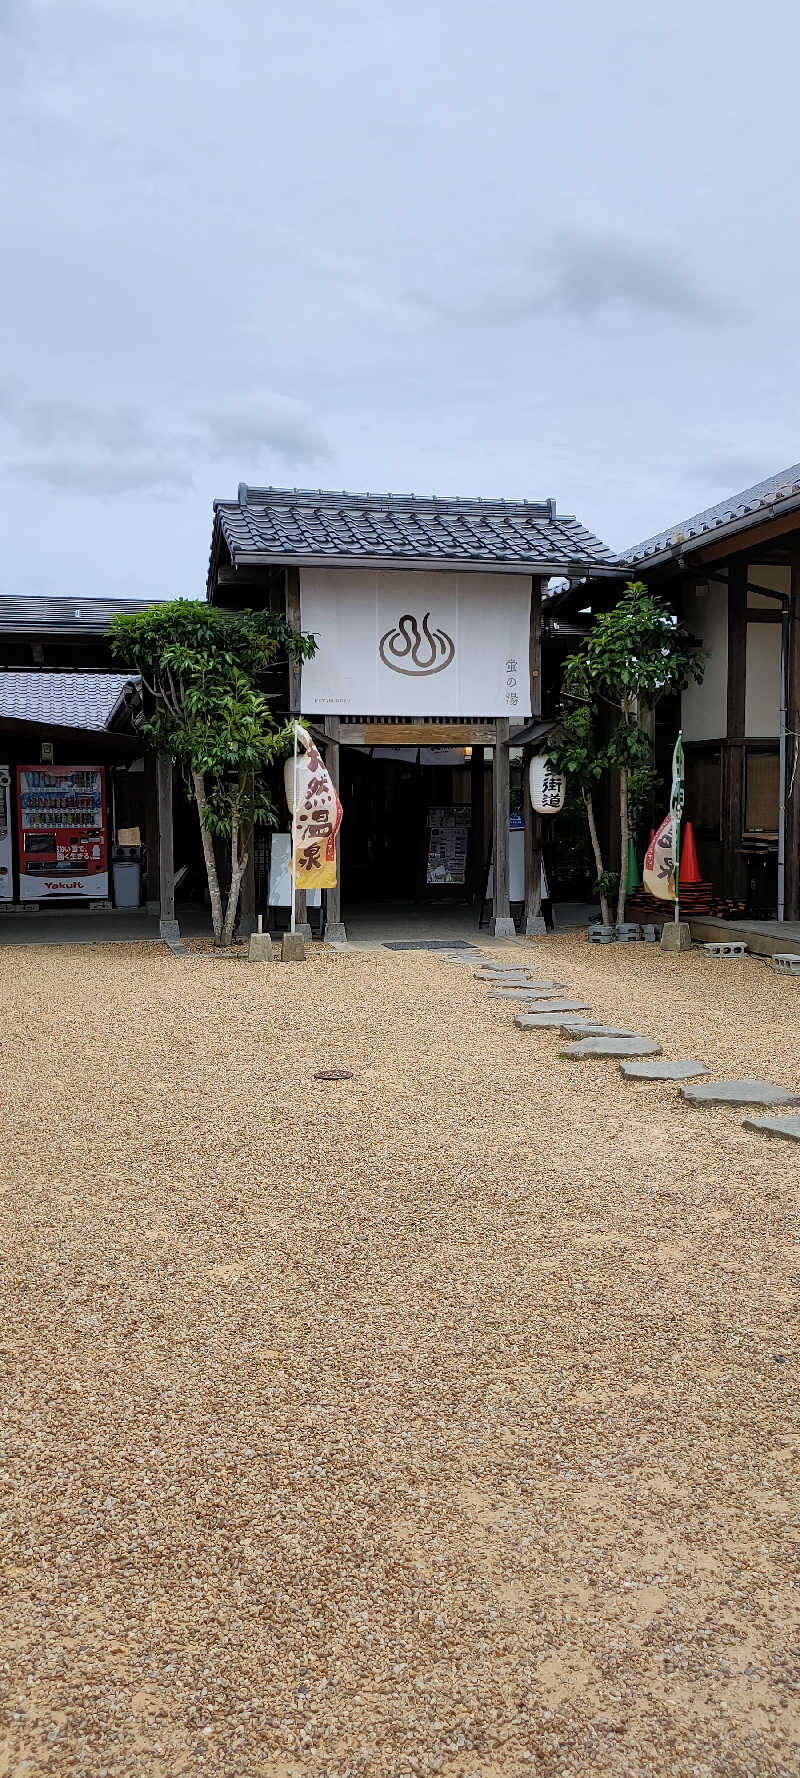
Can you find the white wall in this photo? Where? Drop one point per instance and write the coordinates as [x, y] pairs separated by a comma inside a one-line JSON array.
[[763, 690], [705, 707]]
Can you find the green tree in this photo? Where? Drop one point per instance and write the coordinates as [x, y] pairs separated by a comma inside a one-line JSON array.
[[576, 748], [206, 672], [632, 656]]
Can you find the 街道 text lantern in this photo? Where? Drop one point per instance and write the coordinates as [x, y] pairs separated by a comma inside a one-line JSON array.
[[548, 787]]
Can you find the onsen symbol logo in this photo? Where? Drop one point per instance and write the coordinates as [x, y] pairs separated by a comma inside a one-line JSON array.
[[425, 651]]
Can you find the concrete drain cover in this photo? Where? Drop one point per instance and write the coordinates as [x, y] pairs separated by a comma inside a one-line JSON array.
[[662, 1070], [739, 1092], [611, 1046], [775, 1126]]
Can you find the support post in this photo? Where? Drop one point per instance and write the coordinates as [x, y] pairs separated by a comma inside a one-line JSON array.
[[733, 784], [477, 841], [792, 853], [502, 923], [293, 619], [533, 919], [168, 926], [335, 930]]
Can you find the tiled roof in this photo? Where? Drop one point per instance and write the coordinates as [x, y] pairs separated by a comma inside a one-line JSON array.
[[56, 616], [303, 525], [768, 493], [61, 700]]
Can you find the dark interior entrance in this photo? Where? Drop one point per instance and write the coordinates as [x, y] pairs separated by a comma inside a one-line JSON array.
[[406, 819]]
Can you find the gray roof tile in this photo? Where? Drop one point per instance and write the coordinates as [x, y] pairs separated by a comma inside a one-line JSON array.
[[55, 616], [726, 512], [291, 524], [61, 700]]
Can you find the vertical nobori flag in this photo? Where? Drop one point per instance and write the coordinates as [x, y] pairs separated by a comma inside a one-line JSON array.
[[316, 818], [661, 866]]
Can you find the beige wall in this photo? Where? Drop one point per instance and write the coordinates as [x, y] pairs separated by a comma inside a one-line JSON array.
[[705, 707], [762, 694]]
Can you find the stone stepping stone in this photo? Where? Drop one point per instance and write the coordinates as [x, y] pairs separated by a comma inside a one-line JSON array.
[[662, 1070], [510, 978], [571, 1026], [739, 1092], [611, 1046], [775, 1126], [533, 991], [543, 1007]]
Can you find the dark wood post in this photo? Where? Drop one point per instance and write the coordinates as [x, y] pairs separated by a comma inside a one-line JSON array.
[[168, 925], [295, 696], [533, 920], [477, 838], [335, 930], [792, 909], [733, 784], [502, 923]]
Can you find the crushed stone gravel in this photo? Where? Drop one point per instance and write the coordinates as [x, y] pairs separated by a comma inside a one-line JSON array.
[[441, 1420]]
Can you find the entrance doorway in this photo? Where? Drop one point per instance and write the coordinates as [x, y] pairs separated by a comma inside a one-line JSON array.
[[414, 836]]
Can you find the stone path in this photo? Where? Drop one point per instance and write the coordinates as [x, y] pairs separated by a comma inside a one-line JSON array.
[[775, 1126], [513, 981], [739, 1092], [610, 1046], [662, 1070]]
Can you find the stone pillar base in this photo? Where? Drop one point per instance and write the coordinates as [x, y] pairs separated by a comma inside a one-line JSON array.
[[169, 929], [335, 933], [260, 948], [304, 930], [676, 936], [503, 927], [535, 925], [293, 949]]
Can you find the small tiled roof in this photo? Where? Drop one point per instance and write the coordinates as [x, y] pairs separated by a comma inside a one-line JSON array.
[[61, 700], [284, 525], [777, 488], [60, 615]]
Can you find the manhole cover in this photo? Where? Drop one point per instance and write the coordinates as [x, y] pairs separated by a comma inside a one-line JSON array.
[[334, 1074]]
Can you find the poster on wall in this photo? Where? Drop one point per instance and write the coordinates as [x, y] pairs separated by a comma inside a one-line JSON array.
[[63, 842], [392, 642], [448, 842], [6, 860]]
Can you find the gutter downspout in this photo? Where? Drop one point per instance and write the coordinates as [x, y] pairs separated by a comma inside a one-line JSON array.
[[784, 698]]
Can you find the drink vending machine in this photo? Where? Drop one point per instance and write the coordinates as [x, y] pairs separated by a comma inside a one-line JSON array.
[[63, 839], [6, 861]]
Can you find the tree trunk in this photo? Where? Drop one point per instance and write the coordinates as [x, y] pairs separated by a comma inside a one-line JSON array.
[[238, 868], [624, 833], [208, 854], [598, 856]]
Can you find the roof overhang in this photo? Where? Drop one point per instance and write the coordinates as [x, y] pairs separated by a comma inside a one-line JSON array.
[[544, 570], [764, 521]]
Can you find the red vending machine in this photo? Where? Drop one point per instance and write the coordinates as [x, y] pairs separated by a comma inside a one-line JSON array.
[[63, 838]]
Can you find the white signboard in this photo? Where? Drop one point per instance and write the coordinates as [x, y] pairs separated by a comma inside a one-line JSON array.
[[280, 876], [393, 642], [6, 861]]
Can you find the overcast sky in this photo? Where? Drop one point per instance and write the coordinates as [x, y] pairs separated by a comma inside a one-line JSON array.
[[437, 246]]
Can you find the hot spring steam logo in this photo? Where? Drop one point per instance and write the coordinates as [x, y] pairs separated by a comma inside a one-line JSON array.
[[423, 651]]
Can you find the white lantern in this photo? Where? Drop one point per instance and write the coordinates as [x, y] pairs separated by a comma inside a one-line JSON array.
[[548, 787]]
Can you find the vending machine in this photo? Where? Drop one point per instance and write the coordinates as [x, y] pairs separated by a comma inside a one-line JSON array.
[[6, 861], [63, 836]]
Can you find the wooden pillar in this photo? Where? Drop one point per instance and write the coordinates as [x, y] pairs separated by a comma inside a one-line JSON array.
[[477, 830], [734, 871], [335, 930], [502, 923], [295, 701], [533, 920], [793, 753], [150, 821], [168, 925]]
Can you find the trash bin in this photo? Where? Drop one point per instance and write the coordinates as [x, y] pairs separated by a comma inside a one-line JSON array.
[[127, 873]]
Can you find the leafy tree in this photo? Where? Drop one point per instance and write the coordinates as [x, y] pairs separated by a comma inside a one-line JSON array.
[[206, 671], [632, 656]]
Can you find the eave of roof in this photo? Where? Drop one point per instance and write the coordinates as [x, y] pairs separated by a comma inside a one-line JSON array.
[[774, 498]]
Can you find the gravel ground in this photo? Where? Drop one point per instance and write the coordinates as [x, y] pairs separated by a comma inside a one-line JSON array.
[[438, 1420]]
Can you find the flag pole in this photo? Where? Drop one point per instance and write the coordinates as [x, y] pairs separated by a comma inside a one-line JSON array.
[[294, 834], [677, 794]]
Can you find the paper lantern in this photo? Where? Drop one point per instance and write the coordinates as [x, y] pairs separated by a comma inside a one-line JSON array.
[[548, 787]]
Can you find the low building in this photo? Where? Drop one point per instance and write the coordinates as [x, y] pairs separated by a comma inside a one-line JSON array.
[[428, 616]]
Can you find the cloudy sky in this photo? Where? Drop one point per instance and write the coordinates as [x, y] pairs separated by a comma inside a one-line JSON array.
[[448, 247]]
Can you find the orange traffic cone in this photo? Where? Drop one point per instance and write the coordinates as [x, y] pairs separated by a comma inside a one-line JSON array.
[[690, 869]]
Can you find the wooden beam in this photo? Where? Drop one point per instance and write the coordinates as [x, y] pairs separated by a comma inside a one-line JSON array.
[[502, 923], [733, 776], [418, 734], [335, 931], [533, 920], [793, 753], [168, 925]]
